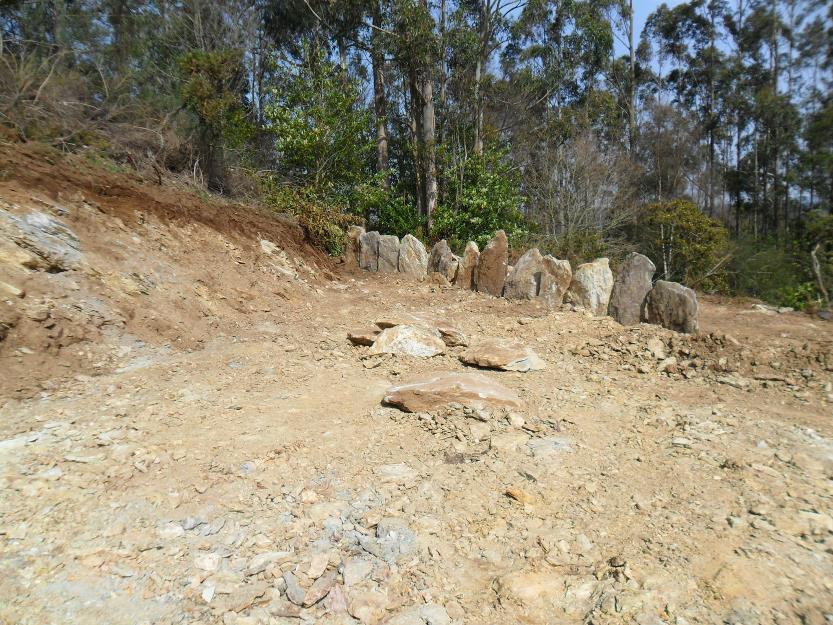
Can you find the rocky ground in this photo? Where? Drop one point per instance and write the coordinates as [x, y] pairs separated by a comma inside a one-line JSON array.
[[188, 436]]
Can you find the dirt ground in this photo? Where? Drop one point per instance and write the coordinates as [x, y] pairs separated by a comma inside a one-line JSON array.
[[187, 436]]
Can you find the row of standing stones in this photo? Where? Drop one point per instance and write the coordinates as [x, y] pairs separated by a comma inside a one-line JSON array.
[[631, 298]]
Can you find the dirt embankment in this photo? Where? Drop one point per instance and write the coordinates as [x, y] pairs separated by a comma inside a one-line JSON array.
[[108, 262]]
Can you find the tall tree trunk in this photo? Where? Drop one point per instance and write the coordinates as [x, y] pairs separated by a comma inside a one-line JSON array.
[[631, 84], [416, 140], [443, 78], [479, 68], [428, 136], [429, 149], [379, 104], [776, 148], [738, 174]]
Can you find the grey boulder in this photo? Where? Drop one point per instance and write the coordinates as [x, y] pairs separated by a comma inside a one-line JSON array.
[[632, 284], [672, 306]]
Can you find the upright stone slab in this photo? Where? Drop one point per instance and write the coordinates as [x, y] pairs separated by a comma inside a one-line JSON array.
[[369, 251], [555, 280], [442, 261], [388, 253], [468, 267], [591, 286], [413, 259], [352, 249], [492, 266], [672, 306], [525, 280], [632, 284]]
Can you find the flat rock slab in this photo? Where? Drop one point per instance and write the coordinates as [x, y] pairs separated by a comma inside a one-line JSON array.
[[366, 336], [407, 340], [440, 388], [504, 355]]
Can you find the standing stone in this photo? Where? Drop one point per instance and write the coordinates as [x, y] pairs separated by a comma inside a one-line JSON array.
[[492, 266], [591, 286], [632, 284], [468, 267], [672, 306], [443, 261], [388, 253], [555, 280], [525, 280], [413, 259], [369, 251], [352, 249]]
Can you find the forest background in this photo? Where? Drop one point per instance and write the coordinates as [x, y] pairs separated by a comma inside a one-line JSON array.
[[704, 140]]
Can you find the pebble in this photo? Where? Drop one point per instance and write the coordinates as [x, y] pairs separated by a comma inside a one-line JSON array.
[[294, 592], [207, 561]]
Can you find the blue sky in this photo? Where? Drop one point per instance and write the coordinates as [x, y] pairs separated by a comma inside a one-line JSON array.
[[641, 10]]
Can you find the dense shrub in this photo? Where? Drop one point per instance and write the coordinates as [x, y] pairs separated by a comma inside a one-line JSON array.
[[385, 210], [323, 220], [482, 196], [686, 245], [322, 133]]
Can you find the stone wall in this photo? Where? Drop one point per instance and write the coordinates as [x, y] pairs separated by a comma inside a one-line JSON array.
[[630, 298]]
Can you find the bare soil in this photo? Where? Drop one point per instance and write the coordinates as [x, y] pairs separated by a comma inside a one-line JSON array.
[[185, 430]]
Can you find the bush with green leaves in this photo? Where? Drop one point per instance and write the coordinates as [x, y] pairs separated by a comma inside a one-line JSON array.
[[762, 267], [686, 245], [322, 132], [323, 220], [384, 209], [210, 90], [482, 196]]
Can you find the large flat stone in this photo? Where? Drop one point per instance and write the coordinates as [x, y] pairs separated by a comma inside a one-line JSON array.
[[433, 390], [406, 340], [505, 355]]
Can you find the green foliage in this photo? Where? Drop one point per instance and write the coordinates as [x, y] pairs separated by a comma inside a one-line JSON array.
[[686, 245], [762, 268], [209, 91], [323, 220], [321, 131], [385, 210], [482, 197], [800, 296]]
